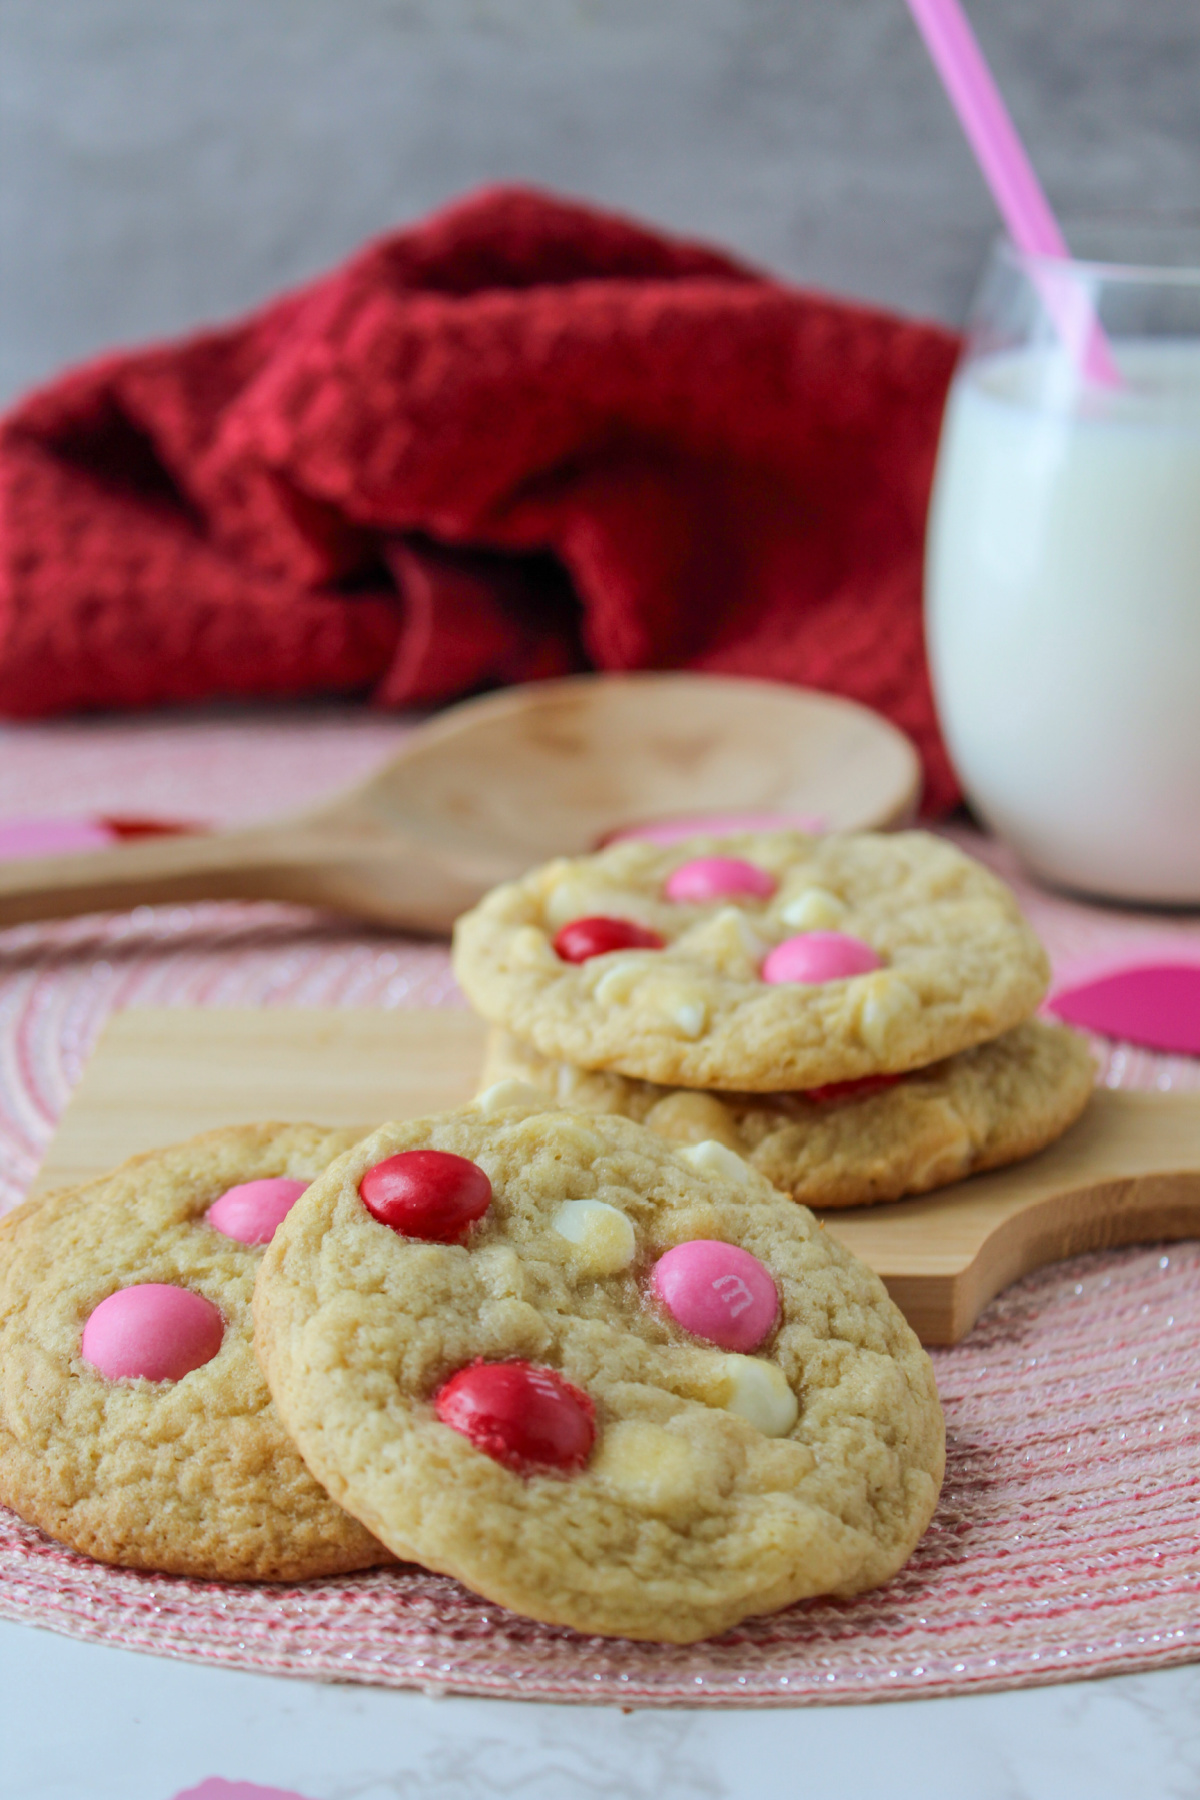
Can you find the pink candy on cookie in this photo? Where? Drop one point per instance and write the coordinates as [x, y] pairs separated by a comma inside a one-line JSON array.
[[718, 878], [253, 1211], [719, 1292], [155, 1331], [819, 956]]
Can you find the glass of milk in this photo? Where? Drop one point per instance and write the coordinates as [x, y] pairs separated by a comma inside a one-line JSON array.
[[1063, 571]]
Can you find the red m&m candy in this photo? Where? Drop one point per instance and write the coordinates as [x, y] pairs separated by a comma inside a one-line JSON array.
[[849, 1090], [521, 1415], [426, 1194], [585, 938]]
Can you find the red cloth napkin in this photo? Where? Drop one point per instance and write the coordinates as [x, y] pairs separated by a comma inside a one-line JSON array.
[[521, 438]]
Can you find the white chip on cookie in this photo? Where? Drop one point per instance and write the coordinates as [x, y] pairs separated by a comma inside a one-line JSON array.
[[504, 1095], [758, 1391], [618, 980], [813, 909], [886, 1006], [713, 1158], [648, 1467], [600, 1235]]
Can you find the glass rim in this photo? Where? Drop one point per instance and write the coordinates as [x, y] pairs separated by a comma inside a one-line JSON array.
[[1113, 269]]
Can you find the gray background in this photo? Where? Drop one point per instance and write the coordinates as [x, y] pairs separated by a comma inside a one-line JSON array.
[[164, 162]]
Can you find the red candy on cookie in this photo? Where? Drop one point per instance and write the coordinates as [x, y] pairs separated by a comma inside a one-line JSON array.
[[584, 938], [427, 1194], [156, 1331], [849, 1090], [520, 1414]]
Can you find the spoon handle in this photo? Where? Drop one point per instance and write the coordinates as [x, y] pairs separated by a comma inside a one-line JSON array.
[[394, 883], [202, 866]]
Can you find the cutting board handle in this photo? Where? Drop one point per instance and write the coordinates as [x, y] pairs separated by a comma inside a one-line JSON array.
[[1100, 1215]]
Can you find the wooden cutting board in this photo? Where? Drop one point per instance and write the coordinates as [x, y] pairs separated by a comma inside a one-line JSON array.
[[1128, 1172]]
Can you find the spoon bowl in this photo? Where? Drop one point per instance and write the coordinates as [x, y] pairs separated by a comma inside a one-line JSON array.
[[485, 789]]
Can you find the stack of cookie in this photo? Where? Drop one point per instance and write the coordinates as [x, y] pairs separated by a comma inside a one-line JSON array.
[[850, 1014], [606, 1382]]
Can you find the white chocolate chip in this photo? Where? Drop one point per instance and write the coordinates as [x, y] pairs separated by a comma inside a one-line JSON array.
[[690, 1018], [531, 948], [711, 1158], [680, 1003], [728, 942], [574, 1137], [886, 1002], [504, 1096], [758, 1391], [567, 899], [813, 909], [618, 981], [689, 1118], [546, 879], [602, 1239], [648, 1467], [583, 895]]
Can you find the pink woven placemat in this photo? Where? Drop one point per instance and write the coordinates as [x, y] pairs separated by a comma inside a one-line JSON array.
[[1065, 1543]]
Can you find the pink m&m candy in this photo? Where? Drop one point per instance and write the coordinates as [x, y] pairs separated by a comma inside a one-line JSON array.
[[717, 1291], [520, 1414], [716, 877], [253, 1211], [819, 956], [429, 1194], [156, 1331]]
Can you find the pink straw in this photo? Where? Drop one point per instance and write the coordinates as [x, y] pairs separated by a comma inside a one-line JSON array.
[[1006, 168]]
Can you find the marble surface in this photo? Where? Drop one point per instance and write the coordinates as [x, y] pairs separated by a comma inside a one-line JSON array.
[[80, 1722]]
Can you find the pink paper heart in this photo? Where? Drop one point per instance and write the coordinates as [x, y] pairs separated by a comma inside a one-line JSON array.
[[216, 1789], [1155, 1004], [21, 838], [52, 837]]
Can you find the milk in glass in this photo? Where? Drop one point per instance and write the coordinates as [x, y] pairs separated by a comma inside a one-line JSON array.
[[1063, 611]]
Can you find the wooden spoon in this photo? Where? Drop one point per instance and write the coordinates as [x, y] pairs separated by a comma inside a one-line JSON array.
[[490, 787]]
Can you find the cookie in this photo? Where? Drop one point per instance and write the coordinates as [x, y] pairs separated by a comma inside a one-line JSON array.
[[756, 963], [628, 1388], [135, 1424], [852, 1145]]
